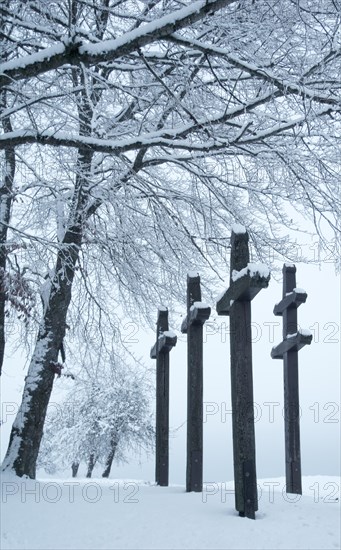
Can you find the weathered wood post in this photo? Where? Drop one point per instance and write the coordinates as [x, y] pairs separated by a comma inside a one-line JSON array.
[[293, 341], [246, 281], [165, 341], [192, 325]]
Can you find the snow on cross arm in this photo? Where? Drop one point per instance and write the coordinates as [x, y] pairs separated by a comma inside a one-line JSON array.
[[199, 305], [251, 269], [305, 332], [168, 334]]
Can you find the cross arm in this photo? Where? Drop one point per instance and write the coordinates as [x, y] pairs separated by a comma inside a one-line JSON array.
[[244, 289], [293, 299], [165, 342], [291, 343], [198, 315]]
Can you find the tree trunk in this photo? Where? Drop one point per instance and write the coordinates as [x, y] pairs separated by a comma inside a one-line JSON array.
[[74, 468], [6, 198], [28, 426], [110, 459], [91, 464]]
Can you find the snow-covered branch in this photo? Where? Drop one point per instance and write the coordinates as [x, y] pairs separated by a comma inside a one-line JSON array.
[[285, 85], [72, 51], [169, 138]]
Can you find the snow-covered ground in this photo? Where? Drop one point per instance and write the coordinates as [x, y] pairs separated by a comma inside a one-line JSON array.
[[104, 514]]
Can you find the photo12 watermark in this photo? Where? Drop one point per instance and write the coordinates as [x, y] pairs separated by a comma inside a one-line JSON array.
[[51, 492], [272, 491], [271, 411]]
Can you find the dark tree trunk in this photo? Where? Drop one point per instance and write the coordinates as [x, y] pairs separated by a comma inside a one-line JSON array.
[[6, 198], [28, 426], [74, 468], [91, 464], [110, 459], [27, 429]]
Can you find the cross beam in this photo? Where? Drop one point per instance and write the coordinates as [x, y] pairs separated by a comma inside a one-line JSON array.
[[197, 314], [246, 281], [165, 341], [293, 341], [243, 289]]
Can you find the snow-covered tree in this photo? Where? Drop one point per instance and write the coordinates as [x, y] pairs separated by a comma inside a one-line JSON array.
[[102, 417], [135, 134]]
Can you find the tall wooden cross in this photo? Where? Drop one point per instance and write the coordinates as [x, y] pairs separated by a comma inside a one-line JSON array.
[[165, 341], [246, 281], [192, 325], [293, 341]]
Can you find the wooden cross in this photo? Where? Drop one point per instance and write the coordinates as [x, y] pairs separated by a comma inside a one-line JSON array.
[[245, 282], [293, 341], [165, 341], [192, 325]]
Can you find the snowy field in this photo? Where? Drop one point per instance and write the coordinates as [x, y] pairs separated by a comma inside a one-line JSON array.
[[122, 514]]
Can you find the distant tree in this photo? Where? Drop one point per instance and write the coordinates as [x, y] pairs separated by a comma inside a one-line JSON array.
[[101, 418], [135, 134]]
